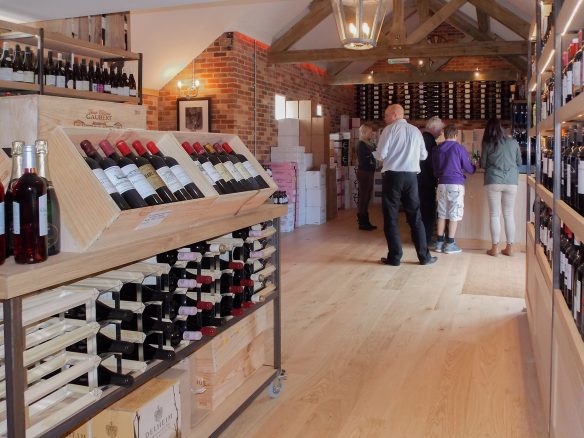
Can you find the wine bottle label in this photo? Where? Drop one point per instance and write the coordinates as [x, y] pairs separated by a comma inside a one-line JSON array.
[[126, 91], [211, 171], [104, 181], [169, 179], [43, 217], [223, 172], [252, 171], [576, 305], [60, 81], [2, 224], [70, 84], [132, 92], [577, 74], [18, 76], [581, 177], [152, 178], [569, 82], [94, 88], [6, 73], [187, 310], [50, 80], [192, 336], [28, 76], [107, 88], [138, 180], [181, 175], [187, 283], [15, 217], [242, 170], [233, 171], [118, 179], [568, 181]]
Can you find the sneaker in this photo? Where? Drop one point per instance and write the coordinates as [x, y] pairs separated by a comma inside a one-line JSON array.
[[452, 248], [438, 246]]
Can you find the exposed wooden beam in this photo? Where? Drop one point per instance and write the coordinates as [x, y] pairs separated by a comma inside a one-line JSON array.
[[503, 16], [484, 48], [423, 9], [434, 21], [470, 28], [484, 21], [318, 11], [382, 78], [397, 33]]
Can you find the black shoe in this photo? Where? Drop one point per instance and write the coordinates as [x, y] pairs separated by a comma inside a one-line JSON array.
[[430, 261], [367, 227], [385, 261]]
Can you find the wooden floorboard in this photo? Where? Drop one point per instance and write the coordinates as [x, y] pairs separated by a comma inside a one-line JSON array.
[[379, 351]]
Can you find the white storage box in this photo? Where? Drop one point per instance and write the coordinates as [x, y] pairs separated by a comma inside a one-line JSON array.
[[315, 215], [289, 126], [316, 197]]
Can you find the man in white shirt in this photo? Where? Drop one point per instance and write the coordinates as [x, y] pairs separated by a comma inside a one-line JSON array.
[[401, 148]]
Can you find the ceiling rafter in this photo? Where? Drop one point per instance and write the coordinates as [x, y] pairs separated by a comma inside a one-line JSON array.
[[503, 16], [379, 78], [434, 21]]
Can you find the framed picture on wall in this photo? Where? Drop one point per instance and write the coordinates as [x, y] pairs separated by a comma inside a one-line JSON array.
[[193, 115]]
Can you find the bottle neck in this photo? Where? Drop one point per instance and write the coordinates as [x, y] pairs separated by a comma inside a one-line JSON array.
[[43, 165], [16, 167]]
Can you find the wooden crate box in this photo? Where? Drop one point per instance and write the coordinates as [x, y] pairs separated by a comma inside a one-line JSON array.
[[224, 364], [91, 220], [259, 196]]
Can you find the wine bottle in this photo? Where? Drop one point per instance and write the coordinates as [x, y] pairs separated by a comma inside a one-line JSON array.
[[149, 324], [84, 76], [129, 292], [105, 77], [234, 177], [208, 170], [107, 377], [227, 180], [124, 84], [60, 76], [91, 78], [204, 247], [6, 63], [113, 81], [132, 84], [135, 175], [2, 226], [171, 257], [247, 165], [153, 351], [70, 73], [29, 212], [171, 182], [247, 179], [27, 67], [177, 170], [49, 72], [146, 169], [103, 312], [240, 180], [179, 278], [98, 80], [9, 197], [104, 345], [107, 184], [18, 65], [53, 210], [120, 181]]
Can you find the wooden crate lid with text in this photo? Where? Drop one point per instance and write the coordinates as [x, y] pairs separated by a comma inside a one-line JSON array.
[[90, 218], [259, 196]]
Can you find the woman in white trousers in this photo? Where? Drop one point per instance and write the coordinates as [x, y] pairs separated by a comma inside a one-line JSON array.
[[500, 159]]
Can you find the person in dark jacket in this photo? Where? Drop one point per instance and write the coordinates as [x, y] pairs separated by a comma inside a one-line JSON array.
[[365, 176], [427, 180], [449, 162]]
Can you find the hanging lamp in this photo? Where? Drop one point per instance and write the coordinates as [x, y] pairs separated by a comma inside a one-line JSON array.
[[359, 22]]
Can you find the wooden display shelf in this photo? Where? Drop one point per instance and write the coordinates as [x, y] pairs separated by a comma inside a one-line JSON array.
[[569, 12], [564, 322], [18, 86], [546, 60], [78, 94], [573, 110], [17, 280], [531, 181], [545, 195], [28, 35], [571, 218], [544, 266]]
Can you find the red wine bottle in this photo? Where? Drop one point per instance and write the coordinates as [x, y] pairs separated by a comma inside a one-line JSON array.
[[107, 377], [241, 181], [153, 351], [207, 169], [103, 312], [148, 171], [171, 257], [54, 214], [220, 165], [246, 179], [129, 292], [149, 324], [164, 172], [16, 154], [136, 177], [247, 165], [120, 181], [107, 184], [29, 213], [178, 171], [104, 345]]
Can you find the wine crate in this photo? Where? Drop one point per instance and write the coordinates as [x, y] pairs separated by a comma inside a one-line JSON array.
[[223, 365], [89, 217], [259, 196]]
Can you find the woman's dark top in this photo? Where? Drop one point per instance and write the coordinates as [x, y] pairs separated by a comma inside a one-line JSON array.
[[365, 155]]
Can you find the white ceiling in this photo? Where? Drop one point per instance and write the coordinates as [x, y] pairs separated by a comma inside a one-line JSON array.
[[170, 33]]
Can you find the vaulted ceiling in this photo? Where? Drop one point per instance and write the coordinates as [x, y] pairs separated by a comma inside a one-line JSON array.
[[171, 32]]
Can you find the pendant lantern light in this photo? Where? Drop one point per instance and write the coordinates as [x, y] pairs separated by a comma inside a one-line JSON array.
[[359, 22]]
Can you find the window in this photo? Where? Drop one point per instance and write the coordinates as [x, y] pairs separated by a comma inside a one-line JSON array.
[[280, 107], [319, 110]]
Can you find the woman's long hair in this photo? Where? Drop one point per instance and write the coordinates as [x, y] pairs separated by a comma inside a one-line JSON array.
[[494, 133]]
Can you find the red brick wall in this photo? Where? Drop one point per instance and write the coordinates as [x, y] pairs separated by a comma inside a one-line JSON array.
[[150, 101], [226, 72]]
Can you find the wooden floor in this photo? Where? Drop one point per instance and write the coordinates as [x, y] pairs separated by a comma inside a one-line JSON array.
[[379, 351]]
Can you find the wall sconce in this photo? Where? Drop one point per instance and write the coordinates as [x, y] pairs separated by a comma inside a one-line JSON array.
[[193, 90]]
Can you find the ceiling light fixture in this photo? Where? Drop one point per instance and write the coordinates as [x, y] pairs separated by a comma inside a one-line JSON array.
[[359, 22], [192, 91]]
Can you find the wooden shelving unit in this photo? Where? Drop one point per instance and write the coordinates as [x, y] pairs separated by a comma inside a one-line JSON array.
[[557, 342], [40, 39]]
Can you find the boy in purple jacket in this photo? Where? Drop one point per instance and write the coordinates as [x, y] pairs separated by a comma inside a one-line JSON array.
[[450, 161]]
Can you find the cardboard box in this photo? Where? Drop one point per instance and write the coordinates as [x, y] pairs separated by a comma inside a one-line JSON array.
[[288, 141], [320, 149], [153, 410], [315, 215], [288, 126], [320, 125], [331, 194], [306, 109], [291, 109], [315, 179], [82, 431], [316, 197]]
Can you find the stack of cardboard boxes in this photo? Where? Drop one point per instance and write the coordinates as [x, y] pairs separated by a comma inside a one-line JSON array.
[[316, 196], [284, 174]]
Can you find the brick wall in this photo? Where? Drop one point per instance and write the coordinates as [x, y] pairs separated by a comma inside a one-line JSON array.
[[226, 72], [150, 101]]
